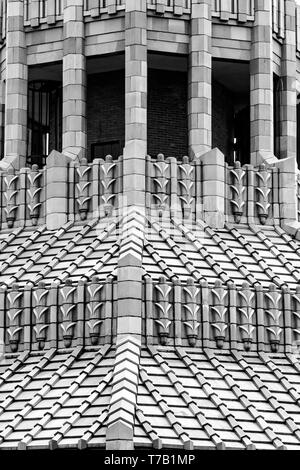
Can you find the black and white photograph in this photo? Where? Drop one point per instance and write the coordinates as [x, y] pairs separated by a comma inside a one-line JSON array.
[[149, 228]]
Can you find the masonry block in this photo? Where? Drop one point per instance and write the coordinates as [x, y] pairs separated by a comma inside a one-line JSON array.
[[213, 170], [57, 190]]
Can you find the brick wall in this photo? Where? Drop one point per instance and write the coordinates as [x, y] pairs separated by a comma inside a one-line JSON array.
[[105, 108], [222, 119], [167, 113]]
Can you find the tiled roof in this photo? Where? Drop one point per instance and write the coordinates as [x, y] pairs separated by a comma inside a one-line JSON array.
[[187, 398], [256, 254], [75, 251], [198, 282], [55, 398]]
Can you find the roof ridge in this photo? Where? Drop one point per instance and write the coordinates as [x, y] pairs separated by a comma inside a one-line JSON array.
[[120, 420], [132, 236]]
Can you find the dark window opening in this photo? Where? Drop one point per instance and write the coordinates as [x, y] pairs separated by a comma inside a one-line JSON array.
[[105, 106], [44, 120], [277, 89], [167, 113], [231, 109], [106, 147], [298, 130], [241, 138]]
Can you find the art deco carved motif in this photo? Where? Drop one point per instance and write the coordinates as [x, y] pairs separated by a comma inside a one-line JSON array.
[[41, 312], [94, 310], [14, 313], [263, 193], [219, 313], [186, 183], [246, 317], [192, 311], [82, 188], [273, 315], [161, 182], [10, 194], [164, 309], [34, 193], [296, 314], [238, 191], [107, 181], [67, 309]]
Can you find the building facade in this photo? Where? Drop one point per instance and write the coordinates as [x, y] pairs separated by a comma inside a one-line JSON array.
[[149, 224]]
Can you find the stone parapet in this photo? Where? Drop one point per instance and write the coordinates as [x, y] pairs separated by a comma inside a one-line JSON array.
[[221, 316], [57, 315], [211, 190], [205, 189]]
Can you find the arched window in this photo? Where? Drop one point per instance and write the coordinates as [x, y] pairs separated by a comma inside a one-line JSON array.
[[44, 120]]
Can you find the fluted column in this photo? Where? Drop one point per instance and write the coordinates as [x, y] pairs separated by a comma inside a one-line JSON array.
[[200, 81], [74, 81], [16, 87], [261, 83], [288, 121]]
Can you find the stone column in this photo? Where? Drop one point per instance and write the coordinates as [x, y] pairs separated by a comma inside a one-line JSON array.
[[74, 81], [16, 87], [200, 81], [288, 121], [129, 275], [132, 230], [56, 181], [261, 84], [135, 102]]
